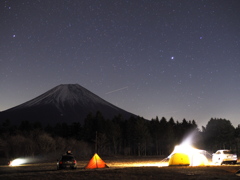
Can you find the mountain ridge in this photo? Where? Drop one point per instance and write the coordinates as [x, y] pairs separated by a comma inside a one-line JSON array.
[[63, 103]]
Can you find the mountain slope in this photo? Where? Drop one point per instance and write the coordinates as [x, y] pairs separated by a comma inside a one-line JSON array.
[[64, 103]]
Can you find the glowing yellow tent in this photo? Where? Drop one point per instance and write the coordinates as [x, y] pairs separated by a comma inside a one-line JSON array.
[[96, 162], [187, 155], [179, 159]]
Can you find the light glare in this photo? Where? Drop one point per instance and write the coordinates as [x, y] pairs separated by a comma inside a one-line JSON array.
[[17, 162]]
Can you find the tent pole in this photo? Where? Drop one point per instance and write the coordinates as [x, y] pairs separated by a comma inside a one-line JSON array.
[[96, 142]]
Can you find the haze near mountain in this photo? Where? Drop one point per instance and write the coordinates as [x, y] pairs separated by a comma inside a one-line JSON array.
[[64, 103]]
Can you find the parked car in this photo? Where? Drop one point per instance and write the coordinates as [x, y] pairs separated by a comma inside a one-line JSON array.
[[224, 156], [67, 161]]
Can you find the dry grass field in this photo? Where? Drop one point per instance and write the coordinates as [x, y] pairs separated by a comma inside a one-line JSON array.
[[119, 168]]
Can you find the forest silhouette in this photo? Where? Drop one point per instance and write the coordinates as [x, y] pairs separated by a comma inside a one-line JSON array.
[[130, 137]]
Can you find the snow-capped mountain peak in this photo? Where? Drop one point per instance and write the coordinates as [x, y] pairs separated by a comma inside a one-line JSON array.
[[65, 102]]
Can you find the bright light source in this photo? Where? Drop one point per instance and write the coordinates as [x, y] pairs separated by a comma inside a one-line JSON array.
[[196, 157], [17, 162]]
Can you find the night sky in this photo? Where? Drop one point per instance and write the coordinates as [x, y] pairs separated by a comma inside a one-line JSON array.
[[165, 58]]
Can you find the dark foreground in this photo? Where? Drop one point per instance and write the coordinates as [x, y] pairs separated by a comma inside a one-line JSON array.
[[119, 169]]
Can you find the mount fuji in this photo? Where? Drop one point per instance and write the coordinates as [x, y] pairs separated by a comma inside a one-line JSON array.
[[64, 103]]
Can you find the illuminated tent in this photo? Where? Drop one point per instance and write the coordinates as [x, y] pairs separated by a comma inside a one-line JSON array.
[[96, 162], [179, 159], [187, 155]]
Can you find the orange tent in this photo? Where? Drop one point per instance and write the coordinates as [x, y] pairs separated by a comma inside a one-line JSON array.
[[96, 162]]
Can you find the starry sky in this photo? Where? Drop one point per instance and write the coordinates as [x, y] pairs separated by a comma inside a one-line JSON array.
[[165, 58]]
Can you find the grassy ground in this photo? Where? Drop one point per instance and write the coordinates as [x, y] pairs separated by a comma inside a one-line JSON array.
[[120, 168]]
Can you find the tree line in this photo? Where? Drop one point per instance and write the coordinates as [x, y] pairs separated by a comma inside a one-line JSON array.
[[118, 136]]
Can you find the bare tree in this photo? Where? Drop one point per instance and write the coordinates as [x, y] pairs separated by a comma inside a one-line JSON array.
[[46, 143]]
